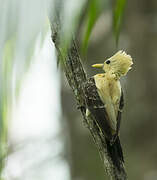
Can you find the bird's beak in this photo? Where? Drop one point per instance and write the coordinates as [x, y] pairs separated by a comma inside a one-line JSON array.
[[97, 65]]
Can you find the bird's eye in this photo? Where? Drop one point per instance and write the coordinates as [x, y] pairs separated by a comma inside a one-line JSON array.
[[107, 61]]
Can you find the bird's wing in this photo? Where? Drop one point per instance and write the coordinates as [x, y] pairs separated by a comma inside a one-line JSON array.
[[96, 107], [121, 105]]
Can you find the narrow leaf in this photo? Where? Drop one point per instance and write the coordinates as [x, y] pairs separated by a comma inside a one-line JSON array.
[[117, 17], [94, 11]]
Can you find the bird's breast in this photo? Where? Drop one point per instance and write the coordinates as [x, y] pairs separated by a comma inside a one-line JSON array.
[[109, 91], [115, 91], [108, 87]]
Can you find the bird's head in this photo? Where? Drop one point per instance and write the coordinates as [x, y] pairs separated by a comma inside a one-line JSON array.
[[118, 64]]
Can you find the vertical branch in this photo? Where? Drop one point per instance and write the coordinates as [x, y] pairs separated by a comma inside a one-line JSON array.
[[76, 77]]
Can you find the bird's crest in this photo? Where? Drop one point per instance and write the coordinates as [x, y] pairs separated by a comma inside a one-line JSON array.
[[121, 62], [122, 55]]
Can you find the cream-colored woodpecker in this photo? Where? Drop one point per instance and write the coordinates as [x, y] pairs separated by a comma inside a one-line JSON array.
[[104, 100]]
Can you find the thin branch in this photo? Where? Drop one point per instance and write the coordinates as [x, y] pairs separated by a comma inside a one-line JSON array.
[[76, 77]]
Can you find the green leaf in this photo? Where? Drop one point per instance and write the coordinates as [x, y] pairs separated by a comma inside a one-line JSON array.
[[94, 11], [117, 17]]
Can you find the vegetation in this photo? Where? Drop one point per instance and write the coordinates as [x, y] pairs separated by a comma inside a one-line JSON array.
[[96, 24]]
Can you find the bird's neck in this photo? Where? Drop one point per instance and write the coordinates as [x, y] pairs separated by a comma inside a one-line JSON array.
[[112, 75]]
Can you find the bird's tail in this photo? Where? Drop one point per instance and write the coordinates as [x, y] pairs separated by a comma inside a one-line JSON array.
[[115, 152]]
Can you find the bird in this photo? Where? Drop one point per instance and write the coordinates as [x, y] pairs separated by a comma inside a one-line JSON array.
[[104, 101]]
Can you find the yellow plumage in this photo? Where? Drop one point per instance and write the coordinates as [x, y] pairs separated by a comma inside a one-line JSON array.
[[108, 84]]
